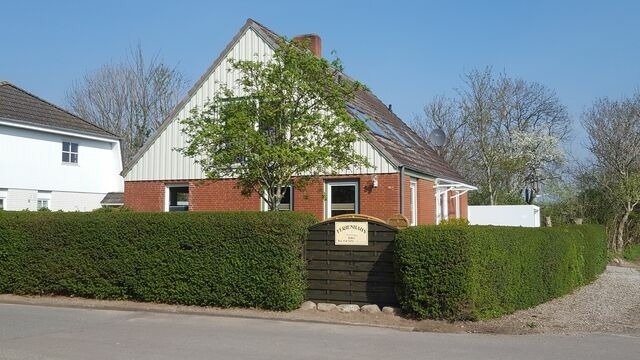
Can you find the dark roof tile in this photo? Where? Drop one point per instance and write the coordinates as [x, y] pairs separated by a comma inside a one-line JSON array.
[[21, 106]]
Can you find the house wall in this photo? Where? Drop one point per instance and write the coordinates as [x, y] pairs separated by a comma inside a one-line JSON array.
[[32, 161], [382, 201], [161, 160]]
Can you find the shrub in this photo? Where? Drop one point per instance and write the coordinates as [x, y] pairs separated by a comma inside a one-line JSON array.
[[454, 221], [244, 259], [631, 252], [476, 272]]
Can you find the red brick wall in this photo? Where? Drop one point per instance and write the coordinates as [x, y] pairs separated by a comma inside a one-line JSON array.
[[464, 205], [426, 202], [382, 201], [220, 195], [144, 195]]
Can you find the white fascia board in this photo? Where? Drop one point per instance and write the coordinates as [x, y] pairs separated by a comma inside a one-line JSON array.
[[10, 123]]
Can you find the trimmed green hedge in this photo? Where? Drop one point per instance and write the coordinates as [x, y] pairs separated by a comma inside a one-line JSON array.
[[244, 259], [477, 272]]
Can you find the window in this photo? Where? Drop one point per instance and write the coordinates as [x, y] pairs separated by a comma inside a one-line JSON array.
[[413, 189], [442, 205], [43, 200], [342, 198], [286, 203], [3, 199], [177, 198], [69, 152], [1, 203]]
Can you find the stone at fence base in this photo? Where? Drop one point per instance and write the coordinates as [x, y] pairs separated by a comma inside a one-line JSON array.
[[308, 305], [370, 309], [391, 310], [324, 307], [348, 308]]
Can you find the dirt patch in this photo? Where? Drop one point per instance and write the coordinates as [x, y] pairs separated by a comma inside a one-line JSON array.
[[611, 304]]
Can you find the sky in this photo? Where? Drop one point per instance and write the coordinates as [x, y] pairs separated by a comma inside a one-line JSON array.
[[407, 52]]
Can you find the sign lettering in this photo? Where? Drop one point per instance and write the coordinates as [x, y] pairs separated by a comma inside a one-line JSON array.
[[352, 233]]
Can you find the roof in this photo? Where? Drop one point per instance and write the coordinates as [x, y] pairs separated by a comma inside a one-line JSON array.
[[113, 198], [20, 106], [399, 143]]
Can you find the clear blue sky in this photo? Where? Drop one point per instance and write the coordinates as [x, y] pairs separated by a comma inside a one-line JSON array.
[[405, 51]]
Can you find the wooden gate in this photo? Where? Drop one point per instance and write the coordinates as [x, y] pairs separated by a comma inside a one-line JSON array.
[[356, 274]]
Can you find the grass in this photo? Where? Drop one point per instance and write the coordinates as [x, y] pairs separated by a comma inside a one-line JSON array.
[[632, 252]]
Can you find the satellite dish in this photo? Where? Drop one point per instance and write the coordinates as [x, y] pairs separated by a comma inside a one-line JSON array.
[[437, 137]]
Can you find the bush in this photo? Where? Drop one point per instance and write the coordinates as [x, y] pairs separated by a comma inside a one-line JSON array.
[[478, 272], [454, 221], [244, 259], [632, 252]]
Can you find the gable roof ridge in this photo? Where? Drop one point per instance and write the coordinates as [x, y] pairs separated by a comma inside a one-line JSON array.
[[6, 83], [265, 33]]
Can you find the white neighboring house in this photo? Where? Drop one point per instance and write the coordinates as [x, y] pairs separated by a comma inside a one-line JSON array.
[[52, 158], [505, 215]]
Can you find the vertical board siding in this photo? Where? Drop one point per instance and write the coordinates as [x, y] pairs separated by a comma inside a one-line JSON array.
[[351, 274], [162, 162]]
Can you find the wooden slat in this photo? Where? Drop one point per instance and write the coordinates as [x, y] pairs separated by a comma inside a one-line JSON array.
[[349, 256], [351, 286], [318, 245], [349, 275], [356, 266]]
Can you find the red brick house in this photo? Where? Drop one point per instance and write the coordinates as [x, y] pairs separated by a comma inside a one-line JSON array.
[[407, 175]]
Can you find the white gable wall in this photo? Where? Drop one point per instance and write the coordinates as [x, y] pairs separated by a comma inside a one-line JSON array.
[[162, 162]]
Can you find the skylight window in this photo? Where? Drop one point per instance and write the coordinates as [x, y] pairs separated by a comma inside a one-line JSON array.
[[398, 136], [367, 120]]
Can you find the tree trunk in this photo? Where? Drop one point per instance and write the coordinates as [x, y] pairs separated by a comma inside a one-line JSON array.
[[619, 242]]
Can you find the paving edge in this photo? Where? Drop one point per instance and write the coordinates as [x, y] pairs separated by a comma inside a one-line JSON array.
[[217, 312]]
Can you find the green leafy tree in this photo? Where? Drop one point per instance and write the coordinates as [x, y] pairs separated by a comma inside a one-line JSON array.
[[284, 121]]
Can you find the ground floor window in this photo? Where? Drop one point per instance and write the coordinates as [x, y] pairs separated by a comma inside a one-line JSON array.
[[442, 206], [177, 198], [413, 190], [1, 203], [342, 198], [286, 203], [44, 200]]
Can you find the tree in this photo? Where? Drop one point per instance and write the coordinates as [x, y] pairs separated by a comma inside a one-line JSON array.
[[503, 134], [613, 128], [284, 121], [129, 99]]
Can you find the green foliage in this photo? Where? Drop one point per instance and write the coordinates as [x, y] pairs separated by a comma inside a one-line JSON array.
[[632, 252], [243, 259], [477, 272], [284, 118], [454, 221]]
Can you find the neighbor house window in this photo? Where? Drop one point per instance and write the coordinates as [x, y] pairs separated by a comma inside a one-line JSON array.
[[286, 203], [69, 152], [3, 199], [342, 198], [413, 190], [43, 200], [177, 198]]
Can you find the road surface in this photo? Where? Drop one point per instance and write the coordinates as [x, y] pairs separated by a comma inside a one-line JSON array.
[[40, 332]]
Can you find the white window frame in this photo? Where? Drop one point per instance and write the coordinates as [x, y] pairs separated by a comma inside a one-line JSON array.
[[3, 198], [70, 152], [167, 197], [413, 201], [44, 197], [330, 184], [442, 205], [265, 207]]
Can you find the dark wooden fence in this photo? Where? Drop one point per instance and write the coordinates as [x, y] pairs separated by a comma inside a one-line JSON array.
[[351, 273]]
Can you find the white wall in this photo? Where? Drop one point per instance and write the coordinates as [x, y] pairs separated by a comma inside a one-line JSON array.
[[505, 215], [161, 162], [31, 160]]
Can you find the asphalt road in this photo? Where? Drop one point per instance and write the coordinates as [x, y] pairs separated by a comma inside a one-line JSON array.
[[38, 332]]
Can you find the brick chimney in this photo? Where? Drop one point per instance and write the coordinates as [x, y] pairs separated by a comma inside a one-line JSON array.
[[313, 41]]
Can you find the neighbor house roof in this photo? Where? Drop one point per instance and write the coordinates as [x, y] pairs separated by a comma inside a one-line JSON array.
[[113, 199], [20, 106], [399, 143]]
